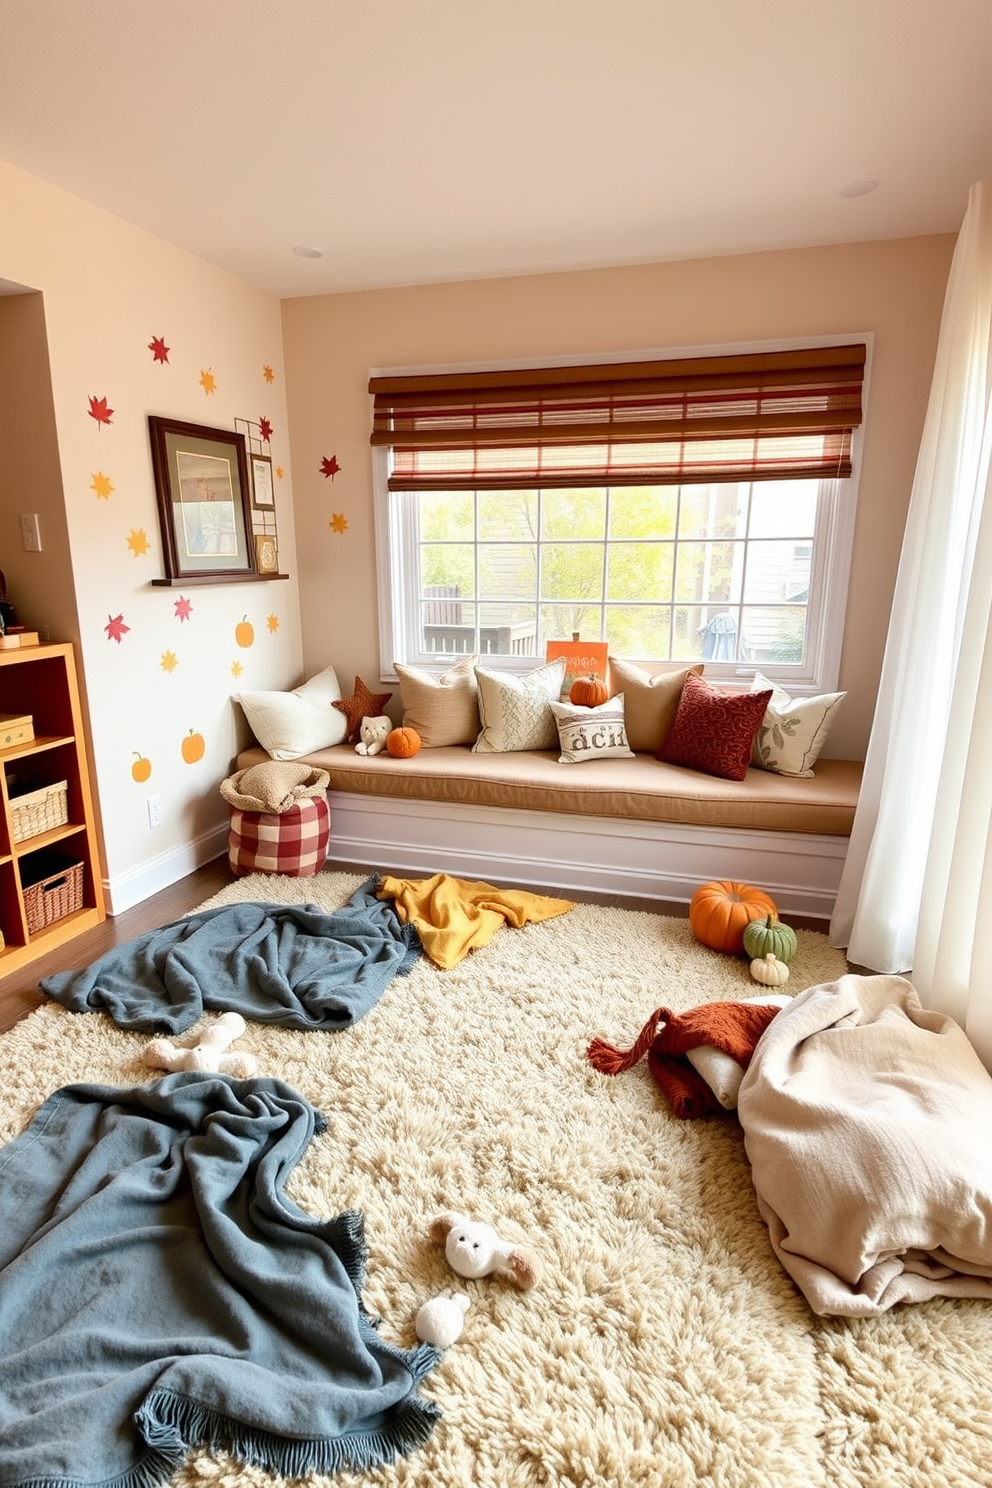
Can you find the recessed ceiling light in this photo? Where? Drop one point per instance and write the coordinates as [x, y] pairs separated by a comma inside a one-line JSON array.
[[303, 251], [858, 188]]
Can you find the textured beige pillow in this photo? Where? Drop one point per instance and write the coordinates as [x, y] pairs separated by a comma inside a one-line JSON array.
[[515, 712], [591, 733], [443, 710], [290, 724], [650, 703], [793, 730]]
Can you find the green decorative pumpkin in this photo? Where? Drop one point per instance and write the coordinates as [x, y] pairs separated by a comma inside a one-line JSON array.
[[769, 937]]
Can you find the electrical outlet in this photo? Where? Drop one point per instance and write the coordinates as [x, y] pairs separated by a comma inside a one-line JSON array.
[[154, 804], [30, 532]]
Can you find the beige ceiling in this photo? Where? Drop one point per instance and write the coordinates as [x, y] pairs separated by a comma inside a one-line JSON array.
[[421, 140]]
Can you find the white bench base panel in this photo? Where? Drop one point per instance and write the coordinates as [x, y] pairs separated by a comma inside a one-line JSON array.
[[649, 860]]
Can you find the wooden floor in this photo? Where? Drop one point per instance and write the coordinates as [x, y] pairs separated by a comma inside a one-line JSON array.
[[19, 993]]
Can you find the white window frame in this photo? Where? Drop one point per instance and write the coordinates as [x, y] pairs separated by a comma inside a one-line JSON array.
[[398, 609]]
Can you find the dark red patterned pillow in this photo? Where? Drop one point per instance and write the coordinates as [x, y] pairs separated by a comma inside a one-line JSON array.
[[713, 731]]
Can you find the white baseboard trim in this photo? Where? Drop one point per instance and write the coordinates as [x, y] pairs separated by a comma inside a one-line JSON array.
[[649, 860], [127, 889]]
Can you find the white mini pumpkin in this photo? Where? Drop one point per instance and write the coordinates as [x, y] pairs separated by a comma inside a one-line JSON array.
[[769, 970]]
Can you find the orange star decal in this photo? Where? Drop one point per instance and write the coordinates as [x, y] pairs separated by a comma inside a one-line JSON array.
[[101, 485], [236, 669], [268, 373], [272, 624], [138, 542], [169, 661], [338, 523], [208, 382]]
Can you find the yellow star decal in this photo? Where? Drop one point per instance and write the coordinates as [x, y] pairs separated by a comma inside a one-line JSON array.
[[101, 485], [272, 623], [208, 382], [169, 661], [138, 542], [268, 373], [338, 523], [279, 472], [236, 669]]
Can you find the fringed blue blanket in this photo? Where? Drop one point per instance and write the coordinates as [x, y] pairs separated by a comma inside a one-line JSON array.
[[159, 1292], [296, 966]]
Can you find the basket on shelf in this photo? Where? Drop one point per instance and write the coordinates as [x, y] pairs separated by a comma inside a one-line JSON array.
[[39, 810], [53, 897]]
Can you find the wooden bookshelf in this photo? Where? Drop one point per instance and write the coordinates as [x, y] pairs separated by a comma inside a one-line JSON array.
[[40, 682]]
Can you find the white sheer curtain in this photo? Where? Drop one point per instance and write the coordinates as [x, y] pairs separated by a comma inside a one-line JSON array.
[[916, 892]]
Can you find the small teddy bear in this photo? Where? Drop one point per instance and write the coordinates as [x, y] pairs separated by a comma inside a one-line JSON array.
[[208, 1055], [374, 732], [474, 1250], [441, 1318]]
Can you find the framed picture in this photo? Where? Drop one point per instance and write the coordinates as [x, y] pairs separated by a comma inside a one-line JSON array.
[[266, 553], [262, 490], [204, 502]]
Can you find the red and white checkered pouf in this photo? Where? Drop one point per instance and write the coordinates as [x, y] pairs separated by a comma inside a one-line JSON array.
[[293, 842]]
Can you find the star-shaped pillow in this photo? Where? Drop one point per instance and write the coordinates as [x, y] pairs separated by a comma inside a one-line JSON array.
[[361, 704]]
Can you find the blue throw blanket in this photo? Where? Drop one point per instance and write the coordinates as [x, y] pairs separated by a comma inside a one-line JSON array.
[[292, 965], [159, 1291]]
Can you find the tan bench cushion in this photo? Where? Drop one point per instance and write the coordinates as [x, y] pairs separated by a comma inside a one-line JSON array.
[[639, 789]]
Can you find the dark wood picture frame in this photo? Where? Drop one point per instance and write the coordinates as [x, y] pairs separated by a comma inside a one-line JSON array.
[[263, 491], [204, 501]]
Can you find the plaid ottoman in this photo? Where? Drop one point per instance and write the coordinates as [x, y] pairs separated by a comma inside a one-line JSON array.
[[293, 842]]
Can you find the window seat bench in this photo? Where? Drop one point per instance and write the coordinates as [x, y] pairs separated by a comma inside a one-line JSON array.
[[632, 827]]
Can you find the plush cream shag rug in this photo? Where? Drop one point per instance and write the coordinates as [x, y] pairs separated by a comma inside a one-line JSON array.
[[665, 1347]]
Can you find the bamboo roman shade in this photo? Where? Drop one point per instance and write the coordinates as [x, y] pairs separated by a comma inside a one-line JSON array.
[[763, 416]]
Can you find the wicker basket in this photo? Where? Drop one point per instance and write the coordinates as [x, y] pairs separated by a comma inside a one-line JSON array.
[[40, 810], [54, 897]]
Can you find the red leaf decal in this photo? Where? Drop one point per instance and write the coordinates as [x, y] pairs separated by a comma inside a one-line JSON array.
[[183, 608], [98, 410], [116, 629], [265, 429], [158, 349], [329, 467]]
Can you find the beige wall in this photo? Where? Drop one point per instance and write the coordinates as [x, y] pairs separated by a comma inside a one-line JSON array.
[[102, 290], [893, 289]]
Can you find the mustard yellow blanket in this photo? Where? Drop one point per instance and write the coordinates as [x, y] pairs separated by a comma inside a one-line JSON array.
[[453, 916]]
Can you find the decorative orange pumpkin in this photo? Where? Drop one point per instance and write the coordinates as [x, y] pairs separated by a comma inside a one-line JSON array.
[[244, 632], [141, 769], [588, 692], [193, 747], [403, 742], [721, 911]]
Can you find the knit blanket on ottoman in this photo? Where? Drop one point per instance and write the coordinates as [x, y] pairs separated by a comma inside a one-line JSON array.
[[159, 1292]]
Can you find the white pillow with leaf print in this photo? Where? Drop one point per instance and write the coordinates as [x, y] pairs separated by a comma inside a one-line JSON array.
[[515, 712], [793, 730]]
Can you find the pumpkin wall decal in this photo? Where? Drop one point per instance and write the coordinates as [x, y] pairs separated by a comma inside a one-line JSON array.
[[193, 746], [244, 632], [401, 743], [141, 769], [720, 912], [588, 692]]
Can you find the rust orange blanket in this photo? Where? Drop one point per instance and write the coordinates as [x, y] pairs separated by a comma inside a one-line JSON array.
[[453, 916]]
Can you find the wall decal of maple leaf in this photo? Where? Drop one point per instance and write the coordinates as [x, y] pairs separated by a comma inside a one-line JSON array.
[[158, 349], [329, 466], [115, 628], [264, 429], [338, 522], [101, 485], [208, 382], [98, 410], [183, 608], [268, 373]]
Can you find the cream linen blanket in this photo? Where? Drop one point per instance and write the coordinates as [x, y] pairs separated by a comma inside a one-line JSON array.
[[868, 1124]]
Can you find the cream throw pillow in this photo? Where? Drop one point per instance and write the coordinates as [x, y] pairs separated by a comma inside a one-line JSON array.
[[793, 730], [591, 733], [443, 710], [515, 712], [650, 703], [290, 724]]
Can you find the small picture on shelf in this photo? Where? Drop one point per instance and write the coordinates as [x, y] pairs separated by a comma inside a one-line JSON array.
[[266, 553], [263, 493]]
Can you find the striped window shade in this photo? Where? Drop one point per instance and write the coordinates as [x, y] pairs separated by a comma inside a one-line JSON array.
[[762, 416]]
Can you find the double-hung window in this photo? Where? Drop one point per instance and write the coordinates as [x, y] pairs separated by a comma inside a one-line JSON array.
[[699, 508]]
